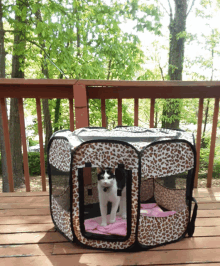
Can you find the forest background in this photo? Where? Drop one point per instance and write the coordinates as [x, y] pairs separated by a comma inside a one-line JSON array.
[[108, 40]]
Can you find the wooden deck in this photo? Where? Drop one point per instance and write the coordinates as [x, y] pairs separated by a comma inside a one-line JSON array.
[[27, 237]]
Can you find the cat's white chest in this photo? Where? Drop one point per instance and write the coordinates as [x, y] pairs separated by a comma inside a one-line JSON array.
[[110, 194]]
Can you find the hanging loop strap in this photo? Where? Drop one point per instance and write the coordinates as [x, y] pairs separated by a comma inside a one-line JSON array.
[[191, 225]]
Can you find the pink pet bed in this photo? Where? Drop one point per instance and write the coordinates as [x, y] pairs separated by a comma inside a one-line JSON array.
[[120, 225]]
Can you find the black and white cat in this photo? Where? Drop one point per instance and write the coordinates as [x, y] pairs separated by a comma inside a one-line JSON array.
[[108, 186]]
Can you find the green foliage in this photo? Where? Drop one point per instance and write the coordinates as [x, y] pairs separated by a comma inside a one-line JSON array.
[[95, 117], [32, 142], [204, 161], [81, 37], [206, 141], [176, 104], [111, 107], [34, 163]]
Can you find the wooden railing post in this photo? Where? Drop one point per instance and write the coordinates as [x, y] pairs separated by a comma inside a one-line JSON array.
[[88, 110], [81, 105], [24, 144], [40, 132], [136, 112], [7, 143], [119, 111], [152, 113], [103, 113], [213, 139], [198, 140], [71, 114]]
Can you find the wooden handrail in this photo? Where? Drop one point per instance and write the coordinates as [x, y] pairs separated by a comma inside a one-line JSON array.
[[83, 90]]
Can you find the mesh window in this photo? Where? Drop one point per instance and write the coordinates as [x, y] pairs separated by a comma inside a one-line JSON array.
[[146, 189], [60, 187], [170, 192], [177, 181]]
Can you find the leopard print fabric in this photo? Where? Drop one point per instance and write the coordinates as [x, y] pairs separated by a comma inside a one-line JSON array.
[[61, 218], [59, 155], [159, 230], [109, 155], [171, 199], [166, 159]]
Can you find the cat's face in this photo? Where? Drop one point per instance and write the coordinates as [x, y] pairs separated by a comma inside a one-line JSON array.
[[106, 176]]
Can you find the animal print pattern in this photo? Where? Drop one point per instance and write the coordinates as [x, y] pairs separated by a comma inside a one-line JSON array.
[[61, 218], [59, 154], [158, 230], [158, 160], [166, 159], [170, 199], [108, 155], [147, 189]]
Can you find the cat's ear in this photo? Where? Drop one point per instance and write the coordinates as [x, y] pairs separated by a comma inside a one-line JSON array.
[[99, 170]]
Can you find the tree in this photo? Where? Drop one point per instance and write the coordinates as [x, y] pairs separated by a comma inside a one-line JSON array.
[[177, 28], [5, 183], [18, 59], [45, 72], [209, 44]]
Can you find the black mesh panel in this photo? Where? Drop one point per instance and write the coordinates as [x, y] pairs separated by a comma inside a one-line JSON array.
[[178, 181], [60, 187]]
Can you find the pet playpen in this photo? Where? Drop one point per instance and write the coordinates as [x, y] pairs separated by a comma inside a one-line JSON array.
[[159, 165]]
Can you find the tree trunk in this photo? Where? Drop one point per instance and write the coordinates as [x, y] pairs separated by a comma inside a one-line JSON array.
[[171, 108], [47, 123], [2, 46], [18, 59], [177, 29], [57, 114], [205, 123], [15, 141], [45, 102], [5, 183]]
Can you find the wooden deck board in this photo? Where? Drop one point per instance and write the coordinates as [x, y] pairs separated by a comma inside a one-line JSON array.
[[27, 237]]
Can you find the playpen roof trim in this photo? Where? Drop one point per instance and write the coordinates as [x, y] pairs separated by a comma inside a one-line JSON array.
[[138, 137]]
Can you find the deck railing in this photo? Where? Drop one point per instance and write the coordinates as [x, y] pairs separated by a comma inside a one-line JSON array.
[[83, 90]]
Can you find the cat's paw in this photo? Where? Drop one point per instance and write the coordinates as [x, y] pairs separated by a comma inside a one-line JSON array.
[[103, 224], [124, 216], [111, 221]]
